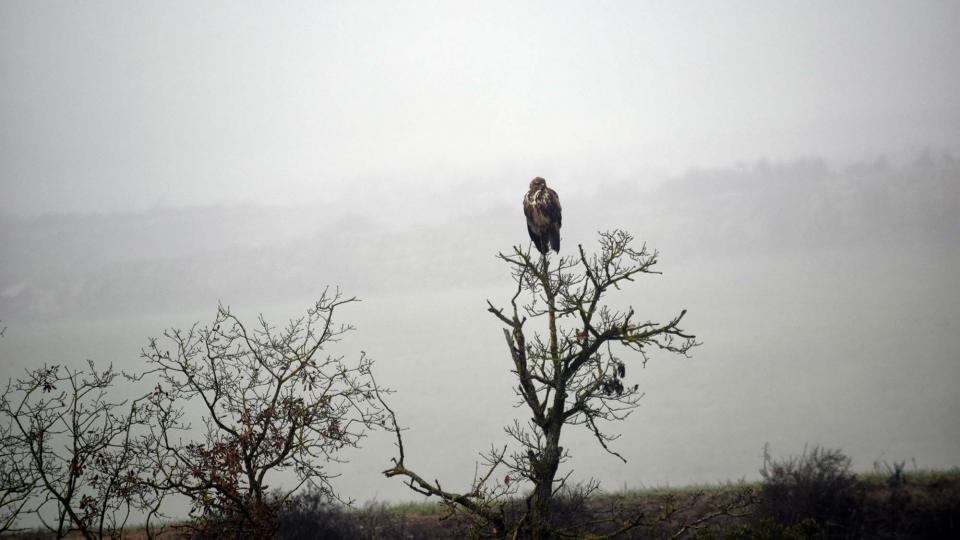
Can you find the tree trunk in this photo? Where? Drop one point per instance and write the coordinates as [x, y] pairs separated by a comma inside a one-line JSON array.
[[546, 464], [545, 470]]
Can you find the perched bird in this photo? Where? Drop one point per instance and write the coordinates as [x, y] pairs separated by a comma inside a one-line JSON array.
[[542, 208]]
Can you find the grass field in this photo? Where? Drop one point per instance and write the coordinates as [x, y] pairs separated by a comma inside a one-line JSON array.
[[887, 502], [875, 504]]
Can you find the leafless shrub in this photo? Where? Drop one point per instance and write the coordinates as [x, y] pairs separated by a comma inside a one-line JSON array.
[[17, 477], [818, 484], [73, 447], [271, 401]]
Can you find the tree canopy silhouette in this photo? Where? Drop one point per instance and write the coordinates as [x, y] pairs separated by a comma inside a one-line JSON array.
[[569, 352]]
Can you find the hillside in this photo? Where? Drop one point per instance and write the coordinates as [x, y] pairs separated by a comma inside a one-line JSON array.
[[164, 259]]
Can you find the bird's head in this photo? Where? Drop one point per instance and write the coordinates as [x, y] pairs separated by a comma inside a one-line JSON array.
[[537, 184]]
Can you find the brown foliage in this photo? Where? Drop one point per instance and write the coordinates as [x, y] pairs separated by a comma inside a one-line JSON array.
[[272, 400]]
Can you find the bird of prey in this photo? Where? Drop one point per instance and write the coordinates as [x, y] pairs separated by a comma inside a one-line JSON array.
[[542, 208]]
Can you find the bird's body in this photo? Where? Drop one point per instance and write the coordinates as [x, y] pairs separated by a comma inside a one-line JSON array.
[[542, 208]]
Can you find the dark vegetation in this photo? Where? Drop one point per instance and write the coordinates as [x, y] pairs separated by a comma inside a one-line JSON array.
[[890, 503], [811, 496], [816, 495]]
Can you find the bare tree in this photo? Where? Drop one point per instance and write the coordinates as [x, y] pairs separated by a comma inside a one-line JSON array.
[[571, 370], [271, 399], [17, 478], [73, 444]]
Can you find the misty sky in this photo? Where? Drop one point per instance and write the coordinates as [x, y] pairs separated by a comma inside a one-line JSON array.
[[112, 106]]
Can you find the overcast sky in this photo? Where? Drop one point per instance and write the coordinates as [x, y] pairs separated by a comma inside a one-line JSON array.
[[108, 106]]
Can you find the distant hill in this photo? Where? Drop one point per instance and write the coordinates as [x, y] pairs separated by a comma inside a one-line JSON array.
[[182, 258]]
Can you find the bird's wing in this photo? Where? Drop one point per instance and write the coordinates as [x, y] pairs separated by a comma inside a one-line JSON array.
[[553, 208], [532, 227], [533, 236], [528, 209]]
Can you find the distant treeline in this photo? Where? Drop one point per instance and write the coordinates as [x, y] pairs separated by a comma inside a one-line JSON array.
[[174, 258]]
